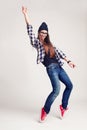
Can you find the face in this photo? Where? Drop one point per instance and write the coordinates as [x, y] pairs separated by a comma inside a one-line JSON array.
[[42, 35]]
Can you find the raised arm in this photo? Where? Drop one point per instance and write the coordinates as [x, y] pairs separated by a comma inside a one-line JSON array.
[[24, 11], [33, 39]]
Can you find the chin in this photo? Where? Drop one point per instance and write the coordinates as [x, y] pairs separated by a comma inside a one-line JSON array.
[[43, 39]]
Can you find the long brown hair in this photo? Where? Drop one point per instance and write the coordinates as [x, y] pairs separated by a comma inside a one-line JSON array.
[[48, 46]]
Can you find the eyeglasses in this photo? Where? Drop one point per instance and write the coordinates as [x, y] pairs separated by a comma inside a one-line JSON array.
[[43, 32]]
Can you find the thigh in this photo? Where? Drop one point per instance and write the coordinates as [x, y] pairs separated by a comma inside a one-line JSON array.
[[54, 78], [63, 76]]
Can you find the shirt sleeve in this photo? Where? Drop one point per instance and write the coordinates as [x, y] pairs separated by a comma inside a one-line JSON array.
[[60, 53], [34, 41]]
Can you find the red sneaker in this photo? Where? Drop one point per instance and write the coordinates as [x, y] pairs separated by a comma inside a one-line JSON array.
[[43, 115], [62, 110]]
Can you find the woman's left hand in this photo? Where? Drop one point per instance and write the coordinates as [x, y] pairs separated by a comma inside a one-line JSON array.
[[72, 65]]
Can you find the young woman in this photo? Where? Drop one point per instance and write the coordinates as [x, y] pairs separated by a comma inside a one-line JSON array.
[[50, 57]]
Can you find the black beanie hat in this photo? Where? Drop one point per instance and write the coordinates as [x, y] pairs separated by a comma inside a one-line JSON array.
[[43, 26]]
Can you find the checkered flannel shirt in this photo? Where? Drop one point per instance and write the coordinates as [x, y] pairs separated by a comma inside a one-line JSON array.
[[40, 49]]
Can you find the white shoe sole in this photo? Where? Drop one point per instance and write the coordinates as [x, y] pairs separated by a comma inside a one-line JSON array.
[[40, 121]]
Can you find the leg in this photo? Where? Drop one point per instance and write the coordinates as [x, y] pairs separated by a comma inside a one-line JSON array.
[[53, 75], [66, 94]]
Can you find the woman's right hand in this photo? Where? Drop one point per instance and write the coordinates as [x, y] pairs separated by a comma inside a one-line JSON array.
[[24, 10]]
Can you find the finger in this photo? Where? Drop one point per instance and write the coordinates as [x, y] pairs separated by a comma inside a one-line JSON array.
[[73, 65], [22, 7]]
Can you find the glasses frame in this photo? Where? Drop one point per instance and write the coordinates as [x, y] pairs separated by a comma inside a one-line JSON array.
[[43, 32]]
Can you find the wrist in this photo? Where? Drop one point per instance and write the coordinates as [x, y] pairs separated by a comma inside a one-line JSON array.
[[68, 61]]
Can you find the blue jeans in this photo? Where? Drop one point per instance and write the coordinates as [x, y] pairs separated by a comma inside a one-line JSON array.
[[56, 74]]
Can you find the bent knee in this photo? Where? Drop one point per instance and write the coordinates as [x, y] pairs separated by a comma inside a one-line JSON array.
[[70, 85], [56, 92]]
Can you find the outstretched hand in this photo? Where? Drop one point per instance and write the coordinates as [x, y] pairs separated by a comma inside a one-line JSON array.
[[24, 10]]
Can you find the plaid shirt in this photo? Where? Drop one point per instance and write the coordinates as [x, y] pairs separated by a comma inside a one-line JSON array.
[[40, 49]]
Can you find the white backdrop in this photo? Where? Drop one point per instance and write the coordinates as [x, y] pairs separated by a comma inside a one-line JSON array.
[[23, 83]]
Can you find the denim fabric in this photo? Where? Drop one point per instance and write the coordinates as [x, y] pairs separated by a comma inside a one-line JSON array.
[[56, 74]]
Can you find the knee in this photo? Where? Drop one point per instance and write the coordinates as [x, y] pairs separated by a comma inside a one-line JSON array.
[[70, 86], [56, 92]]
